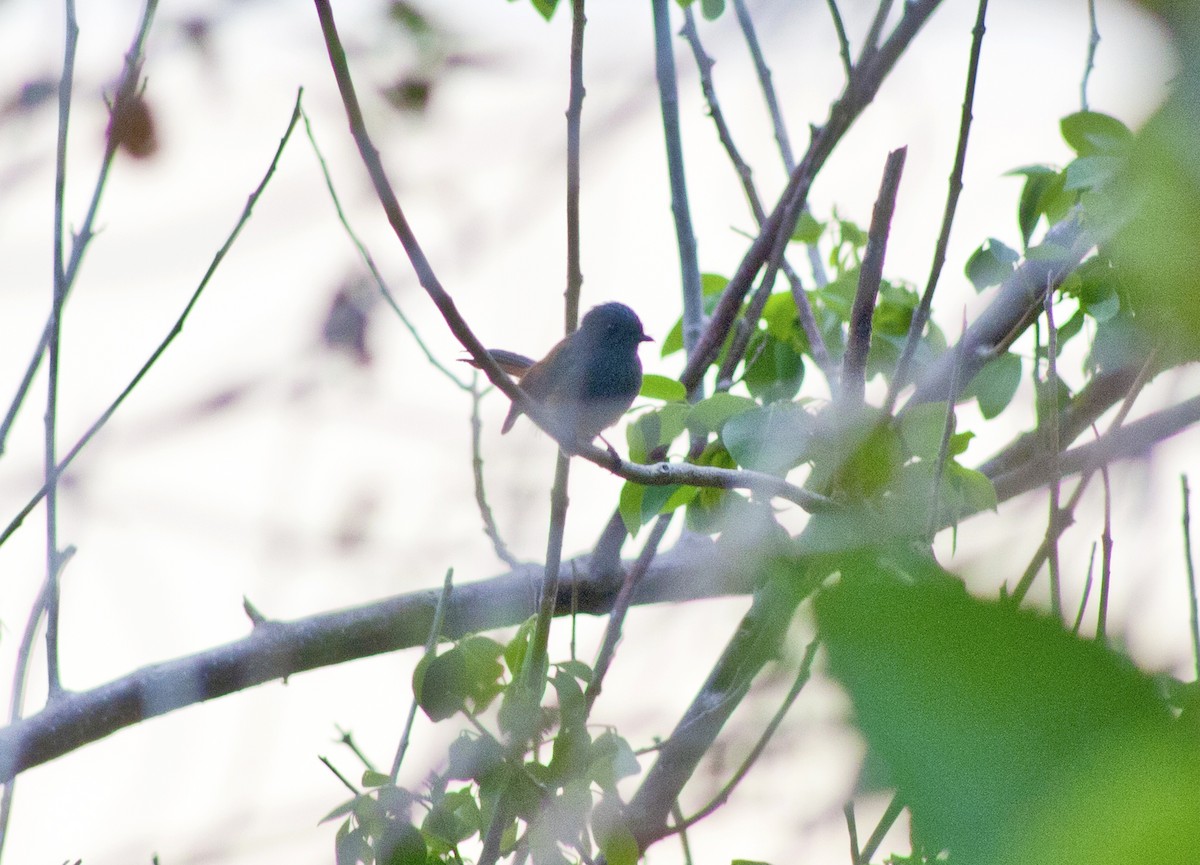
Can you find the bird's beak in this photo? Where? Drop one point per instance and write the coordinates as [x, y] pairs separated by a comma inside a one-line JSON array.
[[646, 338]]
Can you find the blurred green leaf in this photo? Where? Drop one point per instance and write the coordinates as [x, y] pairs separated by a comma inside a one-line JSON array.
[[776, 370], [661, 387], [991, 264], [709, 415], [995, 384], [1090, 133], [921, 429], [712, 9], [982, 713], [771, 439], [808, 230]]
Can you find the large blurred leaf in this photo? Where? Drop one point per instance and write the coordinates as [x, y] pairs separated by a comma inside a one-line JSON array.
[[996, 724]]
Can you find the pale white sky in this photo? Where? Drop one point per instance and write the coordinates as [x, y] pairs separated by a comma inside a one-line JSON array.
[[178, 512]]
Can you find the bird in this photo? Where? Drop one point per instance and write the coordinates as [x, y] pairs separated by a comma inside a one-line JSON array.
[[587, 381]]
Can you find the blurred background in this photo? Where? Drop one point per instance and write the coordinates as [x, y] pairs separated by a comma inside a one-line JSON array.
[[307, 466]]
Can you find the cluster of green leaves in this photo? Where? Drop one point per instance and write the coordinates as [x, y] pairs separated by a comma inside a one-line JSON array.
[[1096, 293], [767, 429], [539, 804]]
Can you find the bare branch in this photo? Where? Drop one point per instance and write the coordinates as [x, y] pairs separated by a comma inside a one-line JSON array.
[[858, 339], [921, 315], [176, 329], [668, 94]]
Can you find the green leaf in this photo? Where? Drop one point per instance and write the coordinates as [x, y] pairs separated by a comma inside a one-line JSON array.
[[576, 668], [514, 651], [991, 264], [661, 387], [545, 8], [612, 760], [921, 429], [440, 684], [808, 230], [709, 415], [1090, 132], [572, 750], [371, 778], [970, 491], [712, 284], [673, 341], [401, 844], [986, 714], [619, 846], [771, 439], [453, 818], [776, 371], [1091, 172], [712, 9], [471, 758], [629, 505], [1042, 194], [995, 384]]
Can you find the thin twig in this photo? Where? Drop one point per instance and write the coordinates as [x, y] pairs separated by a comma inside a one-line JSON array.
[[340, 776], [722, 796], [944, 449], [872, 38], [843, 42], [668, 94], [58, 296], [881, 829], [485, 511], [1087, 591], [920, 317], [677, 816], [126, 87], [1083, 456], [1193, 603], [808, 321], [435, 630], [616, 618], [347, 739], [858, 339], [176, 329], [1054, 448], [1106, 548], [535, 663], [852, 831], [1090, 63], [369, 261], [746, 23]]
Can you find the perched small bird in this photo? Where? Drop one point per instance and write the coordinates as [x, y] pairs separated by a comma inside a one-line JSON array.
[[589, 379]]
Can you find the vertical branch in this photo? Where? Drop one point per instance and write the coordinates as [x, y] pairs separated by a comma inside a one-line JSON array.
[[55, 327], [921, 315], [574, 122], [854, 362], [1090, 63], [435, 630], [1106, 548], [944, 446], [1193, 609], [668, 94], [558, 495], [1052, 532]]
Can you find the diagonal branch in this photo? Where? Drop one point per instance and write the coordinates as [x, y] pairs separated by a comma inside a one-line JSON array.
[[870, 275]]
